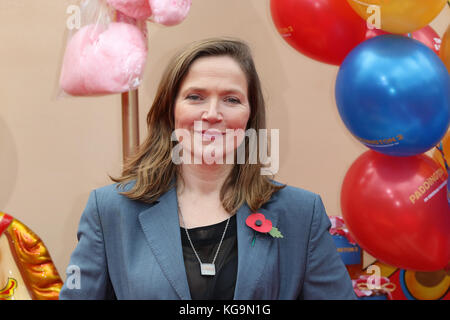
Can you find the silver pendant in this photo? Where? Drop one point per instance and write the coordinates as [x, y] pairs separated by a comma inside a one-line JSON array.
[[207, 269]]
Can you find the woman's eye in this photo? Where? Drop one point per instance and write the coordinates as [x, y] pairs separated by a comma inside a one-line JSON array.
[[194, 97], [233, 100]]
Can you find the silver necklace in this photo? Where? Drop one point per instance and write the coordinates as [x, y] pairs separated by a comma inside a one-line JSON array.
[[206, 269]]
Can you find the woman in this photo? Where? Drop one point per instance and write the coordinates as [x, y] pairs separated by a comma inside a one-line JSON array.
[[177, 226]]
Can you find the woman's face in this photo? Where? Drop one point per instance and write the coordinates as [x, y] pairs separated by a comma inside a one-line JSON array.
[[212, 105]]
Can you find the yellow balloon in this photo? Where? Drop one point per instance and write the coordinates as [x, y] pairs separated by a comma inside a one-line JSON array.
[[445, 49], [398, 16], [446, 148]]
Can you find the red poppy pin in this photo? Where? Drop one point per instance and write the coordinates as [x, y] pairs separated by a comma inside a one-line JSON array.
[[258, 222]]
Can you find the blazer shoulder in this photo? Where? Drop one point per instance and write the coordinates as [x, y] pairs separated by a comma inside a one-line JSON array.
[[294, 204], [294, 196], [110, 192], [109, 198]]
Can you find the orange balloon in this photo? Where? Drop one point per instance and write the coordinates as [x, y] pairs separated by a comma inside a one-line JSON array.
[[399, 16], [446, 147], [445, 49]]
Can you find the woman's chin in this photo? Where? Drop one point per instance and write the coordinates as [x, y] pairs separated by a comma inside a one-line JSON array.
[[212, 157]]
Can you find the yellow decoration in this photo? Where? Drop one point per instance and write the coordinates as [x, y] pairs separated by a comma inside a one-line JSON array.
[[8, 291], [33, 260], [419, 285], [399, 16], [427, 285], [445, 49], [446, 147]]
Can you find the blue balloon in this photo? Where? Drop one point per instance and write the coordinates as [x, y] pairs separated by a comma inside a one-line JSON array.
[[393, 95]]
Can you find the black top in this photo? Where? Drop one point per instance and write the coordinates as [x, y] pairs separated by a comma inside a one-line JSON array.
[[206, 240]]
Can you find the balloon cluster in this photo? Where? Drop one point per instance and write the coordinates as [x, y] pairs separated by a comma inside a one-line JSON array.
[[108, 54], [393, 95]]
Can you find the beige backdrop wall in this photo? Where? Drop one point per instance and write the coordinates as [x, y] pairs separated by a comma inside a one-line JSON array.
[[53, 152]]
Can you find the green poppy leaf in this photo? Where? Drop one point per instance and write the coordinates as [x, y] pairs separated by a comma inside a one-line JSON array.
[[274, 232]]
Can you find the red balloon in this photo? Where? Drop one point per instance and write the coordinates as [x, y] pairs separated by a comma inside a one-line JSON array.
[[396, 209], [325, 30], [426, 35]]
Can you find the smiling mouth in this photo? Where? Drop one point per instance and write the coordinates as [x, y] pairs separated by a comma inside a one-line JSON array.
[[210, 135]]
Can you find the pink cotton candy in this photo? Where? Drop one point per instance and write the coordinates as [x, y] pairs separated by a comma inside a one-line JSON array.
[[169, 12], [138, 9], [102, 60]]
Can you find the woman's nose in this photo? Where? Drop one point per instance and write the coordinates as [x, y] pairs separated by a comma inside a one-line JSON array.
[[212, 114]]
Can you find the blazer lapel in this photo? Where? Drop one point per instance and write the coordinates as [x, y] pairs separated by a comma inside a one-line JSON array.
[[251, 259], [162, 229]]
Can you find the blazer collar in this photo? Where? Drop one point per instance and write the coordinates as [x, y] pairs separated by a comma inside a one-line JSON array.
[[161, 227]]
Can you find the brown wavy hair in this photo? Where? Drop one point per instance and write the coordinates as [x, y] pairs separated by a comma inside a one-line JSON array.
[[151, 167]]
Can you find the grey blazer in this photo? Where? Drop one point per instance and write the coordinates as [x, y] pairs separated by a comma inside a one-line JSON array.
[[132, 250]]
